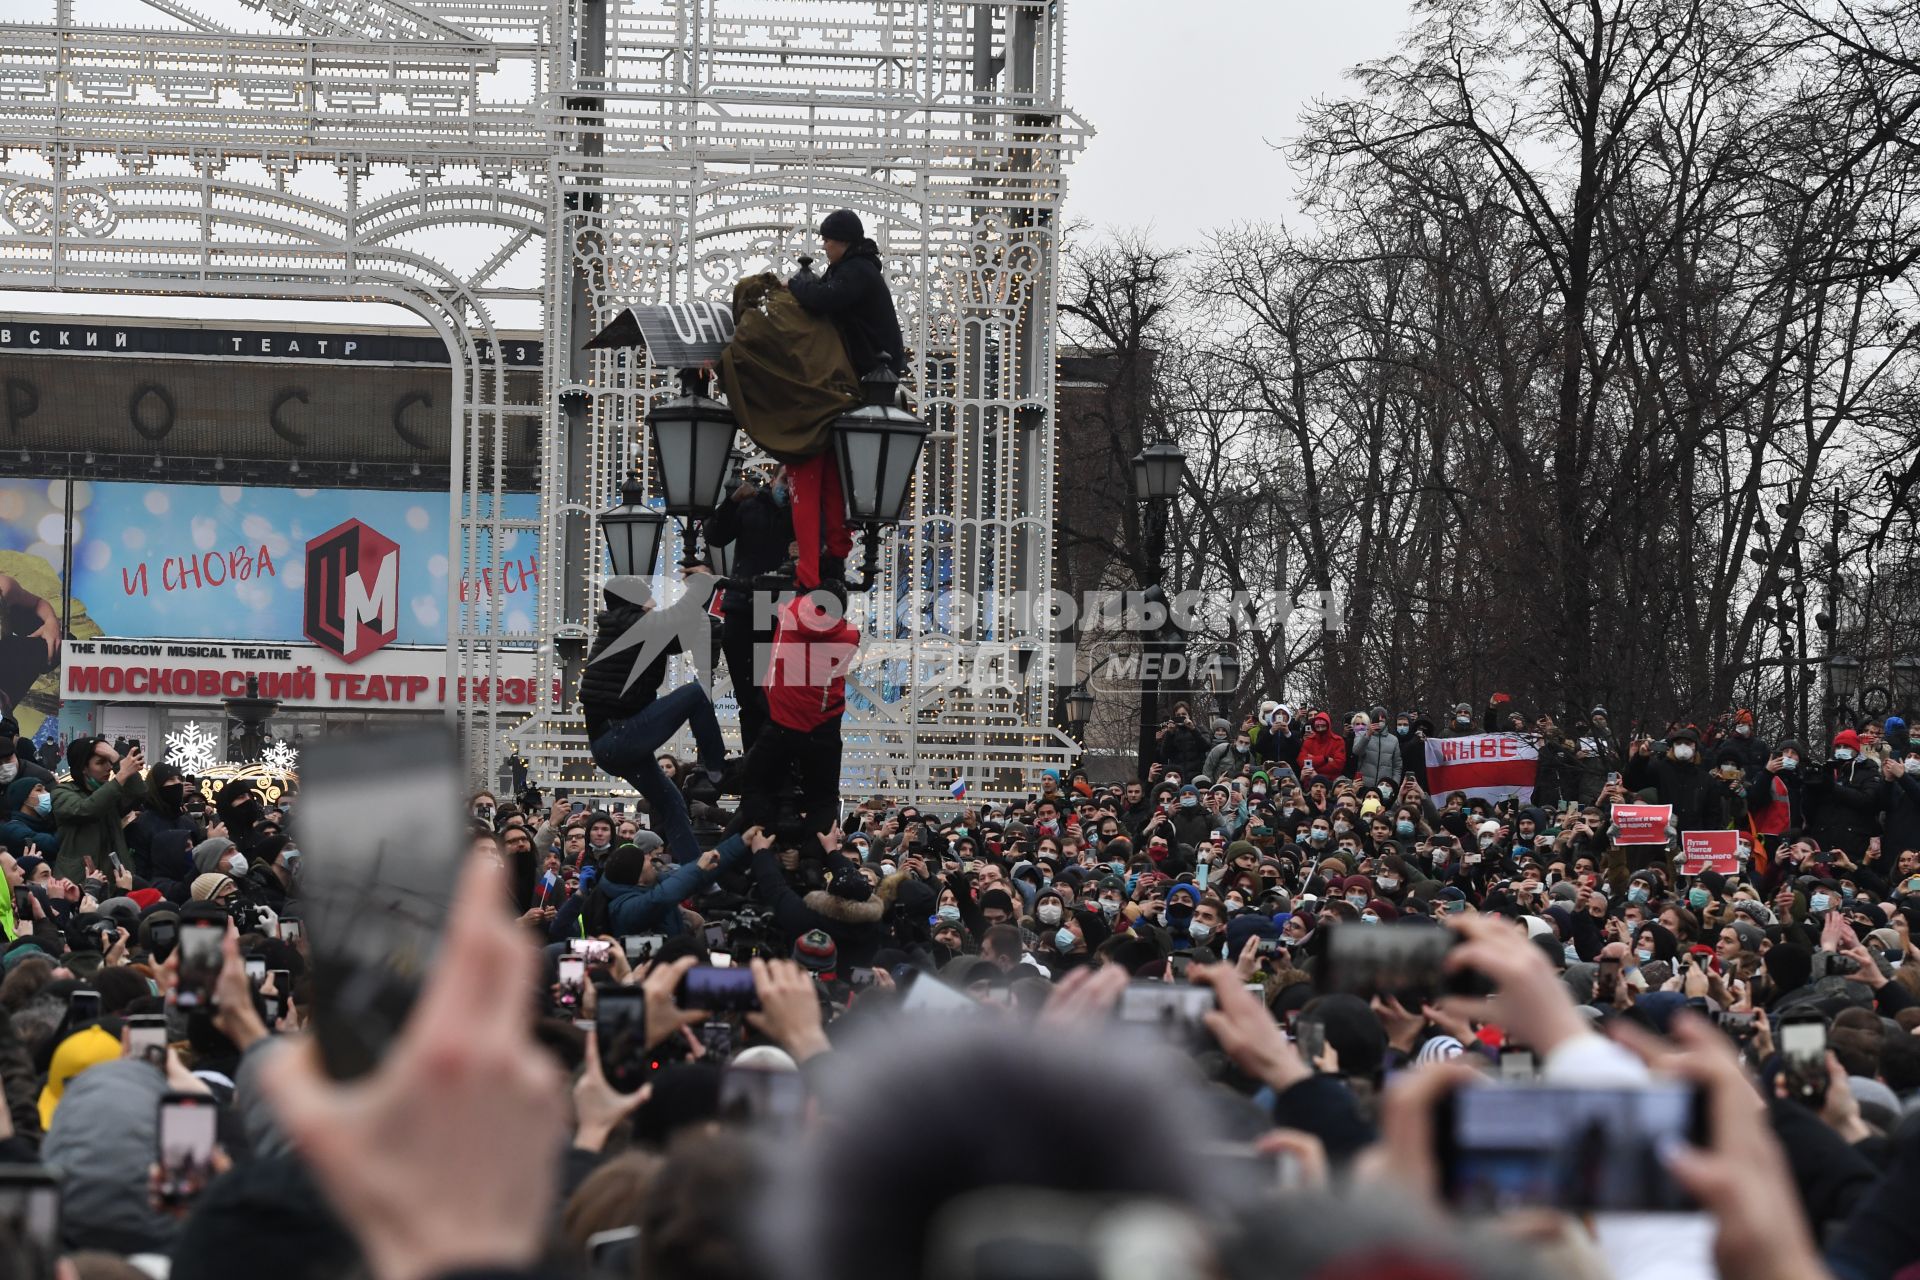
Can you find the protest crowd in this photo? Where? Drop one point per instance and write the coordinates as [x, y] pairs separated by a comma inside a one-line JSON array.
[[1313, 993]]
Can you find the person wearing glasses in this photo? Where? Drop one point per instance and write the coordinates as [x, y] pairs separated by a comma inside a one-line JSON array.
[[90, 810]]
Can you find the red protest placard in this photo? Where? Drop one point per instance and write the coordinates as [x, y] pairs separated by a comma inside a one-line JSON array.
[[1641, 823], [1709, 851]]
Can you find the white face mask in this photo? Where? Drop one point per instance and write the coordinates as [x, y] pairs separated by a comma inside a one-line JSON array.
[[1744, 730], [1843, 754], [1048, 915], [10, 770], [236, 866], [1682, 751], [1913, 762]]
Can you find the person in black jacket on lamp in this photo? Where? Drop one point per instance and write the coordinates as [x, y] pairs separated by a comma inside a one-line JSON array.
[[757, 520], [628, 720], [853, 294]]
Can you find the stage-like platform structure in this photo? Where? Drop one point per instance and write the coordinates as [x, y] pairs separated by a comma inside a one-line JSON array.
[[457, 157]]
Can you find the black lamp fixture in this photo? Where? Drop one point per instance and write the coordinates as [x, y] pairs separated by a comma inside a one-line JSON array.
[[719, 558], [877, 449], [1843, 679], [1226, 670], [1906, 684], [633, 531], [1157, 470], [1079, 711], [693, 450]]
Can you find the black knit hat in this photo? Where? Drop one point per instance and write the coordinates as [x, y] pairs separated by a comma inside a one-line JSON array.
[[843, 224]]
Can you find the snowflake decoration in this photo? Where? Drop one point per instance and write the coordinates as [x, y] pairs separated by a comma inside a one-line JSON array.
[[193, 749], [279, 757]]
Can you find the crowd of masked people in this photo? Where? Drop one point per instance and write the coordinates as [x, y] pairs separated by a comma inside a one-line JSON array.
[[1107, 1026]]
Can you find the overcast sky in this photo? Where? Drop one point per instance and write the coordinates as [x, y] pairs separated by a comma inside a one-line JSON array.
[[1189, 100]]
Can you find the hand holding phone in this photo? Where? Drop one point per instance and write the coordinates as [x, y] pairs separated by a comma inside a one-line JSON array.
[[186, 1146]]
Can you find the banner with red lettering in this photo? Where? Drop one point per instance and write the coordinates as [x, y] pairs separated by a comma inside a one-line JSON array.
[[1641, 823], [1487, 766], [1709, 851]]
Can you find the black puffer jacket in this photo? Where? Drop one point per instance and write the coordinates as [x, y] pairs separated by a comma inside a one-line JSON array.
[[758, 529], [605, 695], [853, 294]]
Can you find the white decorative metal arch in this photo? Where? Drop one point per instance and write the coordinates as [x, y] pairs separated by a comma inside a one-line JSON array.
[[615, 152]]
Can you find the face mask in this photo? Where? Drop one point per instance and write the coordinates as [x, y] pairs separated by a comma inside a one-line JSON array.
[[1486, 842], [1403, 828], [1343, 827], [1843, 754], [45, 805], [949, 914], [1288, 810], [597, 844], [1463, 721], [1109, 908], [1117, 868], [1357, 899], [1913, 762], [1744, 730], [1199, 932], [1400, 730], [1235, 905], [1571, 952], [1389, 883], [1320, 835], [238, 866], [1243, 747], [9, 771], [780, 494], [1819, 903], [1645, 954], [1524, 838], [1697, 898], [1063, 940], [1682, 751], [1367, 917], [1636, 894], [1789, 762], [1188, 802], [887, 869], [1048, 915]]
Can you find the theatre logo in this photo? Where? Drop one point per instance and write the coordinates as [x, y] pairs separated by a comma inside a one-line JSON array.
[[353, 591]]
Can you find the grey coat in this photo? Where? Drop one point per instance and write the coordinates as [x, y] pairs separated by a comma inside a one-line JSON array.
[[101, 1142]]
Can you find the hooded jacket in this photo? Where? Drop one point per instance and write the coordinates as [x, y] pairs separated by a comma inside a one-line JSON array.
[[162, 836], [1844, 800], [853, 294], [633, 908], [858, 929], [17, 829], [89, 820], [101, 1142], [1377, 757], [1325, 749]]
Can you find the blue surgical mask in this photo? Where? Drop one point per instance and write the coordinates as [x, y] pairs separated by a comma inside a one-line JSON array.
[[1357, 899], [1063, 940], [949, 914], [1571, 952], [1367, 917], [1819, 903], [1320, 836], [1636, 894], [1697, 898], [1645, 954], [45, 805], [1403, 828], [780, 494], [1187, 802], [1199, 932], [1843, 754]]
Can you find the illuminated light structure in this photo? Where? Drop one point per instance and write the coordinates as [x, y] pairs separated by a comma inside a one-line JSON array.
[[583, 156]]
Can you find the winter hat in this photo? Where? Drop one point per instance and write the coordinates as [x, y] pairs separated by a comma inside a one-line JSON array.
[[1743, 716], [765, 1057], [624, 865], [1789, 966], [145, 898], [815, 951], [1750, 934], [1243, 926], [124, 912], [843, 224], [996, 900], [1184, 890], [207, 854], [1847, 738], [849, 885], [1878, 1104], [204, 887], [18, 790], [17, 952], [29, 865], [82, 1049], [648, 841], [1370, 806]]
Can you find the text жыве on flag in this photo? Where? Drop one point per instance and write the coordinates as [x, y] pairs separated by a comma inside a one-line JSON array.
[[1486, 766]]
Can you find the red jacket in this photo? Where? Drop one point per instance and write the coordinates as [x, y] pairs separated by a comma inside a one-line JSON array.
[[807, 672], [1327, 750]]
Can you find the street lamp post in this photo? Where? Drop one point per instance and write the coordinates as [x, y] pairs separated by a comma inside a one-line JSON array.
[[1157, 472], [1079, 713], [693, 448], [632, 531], [1843, 687], [1906, 685], [1226, 679], [877, 450]]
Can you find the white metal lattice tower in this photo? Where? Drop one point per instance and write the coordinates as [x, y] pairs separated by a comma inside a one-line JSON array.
[[587, 155]]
